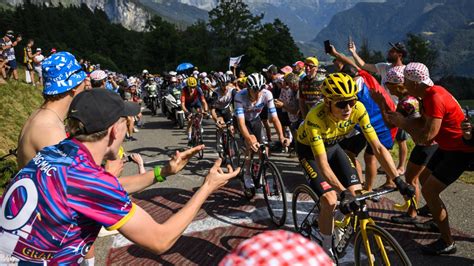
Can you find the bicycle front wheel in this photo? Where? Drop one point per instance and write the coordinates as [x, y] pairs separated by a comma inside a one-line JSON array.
[[381, 248], [199, 141], [305, 209], [274, 193], [233, 151]]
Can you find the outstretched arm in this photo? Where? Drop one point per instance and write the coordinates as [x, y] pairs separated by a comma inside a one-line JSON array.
[[146, 232]]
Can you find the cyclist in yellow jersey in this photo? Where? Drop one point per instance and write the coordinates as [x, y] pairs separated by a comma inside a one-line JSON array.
[[329, 169]]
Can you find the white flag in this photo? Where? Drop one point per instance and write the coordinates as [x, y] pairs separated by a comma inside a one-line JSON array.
[[234, 61]]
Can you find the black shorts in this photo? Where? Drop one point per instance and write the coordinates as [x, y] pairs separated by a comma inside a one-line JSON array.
[[401, 135], [447, 166], [255, 127], [421, 155], [226, 114], [354, 144], [338, 161], [12, 64]]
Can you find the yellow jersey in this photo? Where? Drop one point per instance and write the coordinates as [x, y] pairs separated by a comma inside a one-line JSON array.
[[320, 128]]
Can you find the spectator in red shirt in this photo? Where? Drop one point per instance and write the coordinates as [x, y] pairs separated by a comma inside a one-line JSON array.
[[441, 121]]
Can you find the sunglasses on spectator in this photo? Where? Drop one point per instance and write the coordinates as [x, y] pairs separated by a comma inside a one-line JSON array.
[[310, 66], [343, 104]]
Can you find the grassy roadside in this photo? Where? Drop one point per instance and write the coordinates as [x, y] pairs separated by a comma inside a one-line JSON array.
[[18, 101]]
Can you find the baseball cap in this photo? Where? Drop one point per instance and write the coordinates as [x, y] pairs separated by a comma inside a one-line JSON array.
[[98, 75], [311, 61], [299, 63], [53, 50], [286, 69], [418, 72], [395, 75], [400, 47], [61, 73], [38, 49], [271, 68], [277, 247], [98, 109]]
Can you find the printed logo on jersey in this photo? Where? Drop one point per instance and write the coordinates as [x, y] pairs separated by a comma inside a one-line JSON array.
[[345, 124], [309, 170]]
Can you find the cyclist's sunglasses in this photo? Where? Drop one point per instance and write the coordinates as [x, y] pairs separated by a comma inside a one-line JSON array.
[[343, 104]]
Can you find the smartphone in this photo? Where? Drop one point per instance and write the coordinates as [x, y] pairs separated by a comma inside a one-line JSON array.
[[327, 46], [466, 110]]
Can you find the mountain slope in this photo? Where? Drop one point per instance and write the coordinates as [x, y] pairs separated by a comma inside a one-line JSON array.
[[447, 24]]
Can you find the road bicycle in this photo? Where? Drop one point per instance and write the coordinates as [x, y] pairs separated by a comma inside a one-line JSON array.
[[372, 244], [196, 132], [227, 145], [266, 176]]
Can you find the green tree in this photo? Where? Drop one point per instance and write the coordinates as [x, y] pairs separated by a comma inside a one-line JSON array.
[[232, 25], [421, 50], [272, 44], [369, 56]]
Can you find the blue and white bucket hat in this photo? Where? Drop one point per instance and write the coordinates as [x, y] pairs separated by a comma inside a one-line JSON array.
[[61, 73]]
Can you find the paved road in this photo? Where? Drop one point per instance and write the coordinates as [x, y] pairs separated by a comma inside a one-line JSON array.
[[227, 218]]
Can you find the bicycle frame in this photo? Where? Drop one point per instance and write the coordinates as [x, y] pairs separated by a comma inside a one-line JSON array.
[[361, 219], [262, 157]]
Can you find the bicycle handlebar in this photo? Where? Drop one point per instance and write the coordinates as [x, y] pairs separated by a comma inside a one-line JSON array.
[[373, 194]]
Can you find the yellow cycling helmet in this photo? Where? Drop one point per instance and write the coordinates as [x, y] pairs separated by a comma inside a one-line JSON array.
[[191, 82], [339, 86]]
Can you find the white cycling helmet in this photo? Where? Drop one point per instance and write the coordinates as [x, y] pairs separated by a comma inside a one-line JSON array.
[[144, 71], [172, 73], [203, 75], [256, 81]]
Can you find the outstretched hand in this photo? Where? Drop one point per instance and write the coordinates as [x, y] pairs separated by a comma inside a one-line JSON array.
[[180, 159], [216, 177], [351, 46]]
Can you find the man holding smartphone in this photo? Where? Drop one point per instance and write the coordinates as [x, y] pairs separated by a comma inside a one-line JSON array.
[[395, 56]]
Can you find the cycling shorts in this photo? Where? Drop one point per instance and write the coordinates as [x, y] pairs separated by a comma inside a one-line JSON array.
[[255, 127], [447, 166], [354, 144], [338, 161], [421, 155], [401, 135]]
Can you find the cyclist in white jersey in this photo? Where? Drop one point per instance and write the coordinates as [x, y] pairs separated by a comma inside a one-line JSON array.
[[249, 103]]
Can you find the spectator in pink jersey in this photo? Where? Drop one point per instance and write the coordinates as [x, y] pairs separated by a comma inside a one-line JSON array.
[[66, 196]]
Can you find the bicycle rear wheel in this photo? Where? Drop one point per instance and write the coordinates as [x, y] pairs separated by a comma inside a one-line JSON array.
[[382, 247], [305, 209], [274, 193]]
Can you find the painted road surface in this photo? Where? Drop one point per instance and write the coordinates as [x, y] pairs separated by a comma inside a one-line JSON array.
[[227, 217]]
